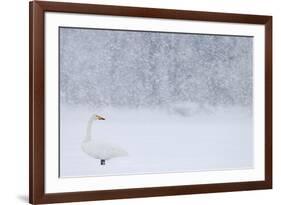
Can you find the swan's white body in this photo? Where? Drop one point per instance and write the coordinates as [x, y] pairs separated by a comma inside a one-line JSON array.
[[100, 150]]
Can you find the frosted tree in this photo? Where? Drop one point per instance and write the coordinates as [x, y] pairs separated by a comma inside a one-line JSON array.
[[151, 69]]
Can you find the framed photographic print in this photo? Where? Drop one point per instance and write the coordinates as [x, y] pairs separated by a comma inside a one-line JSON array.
[[138, 102]]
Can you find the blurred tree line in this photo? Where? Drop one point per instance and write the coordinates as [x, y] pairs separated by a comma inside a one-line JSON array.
[[144, 69]]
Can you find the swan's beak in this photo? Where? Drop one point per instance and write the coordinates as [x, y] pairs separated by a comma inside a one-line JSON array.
[[99, 117]]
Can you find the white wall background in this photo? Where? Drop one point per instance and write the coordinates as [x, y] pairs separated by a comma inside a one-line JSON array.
[[14, 100]]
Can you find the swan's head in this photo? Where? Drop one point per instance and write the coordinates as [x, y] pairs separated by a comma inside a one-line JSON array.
[[99, 117]]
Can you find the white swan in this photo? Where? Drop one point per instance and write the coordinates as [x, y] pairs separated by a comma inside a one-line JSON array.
[[100, 150]]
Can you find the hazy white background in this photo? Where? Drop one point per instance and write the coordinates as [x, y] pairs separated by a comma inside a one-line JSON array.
[[175, 102], [14, 101]]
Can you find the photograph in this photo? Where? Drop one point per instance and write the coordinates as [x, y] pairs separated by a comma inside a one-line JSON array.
[[135, 102], [128, 102]]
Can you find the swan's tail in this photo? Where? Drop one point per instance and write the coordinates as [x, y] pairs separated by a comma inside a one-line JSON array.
[[119, 152]]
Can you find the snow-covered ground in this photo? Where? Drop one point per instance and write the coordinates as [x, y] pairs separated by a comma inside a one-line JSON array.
[[158, 141]]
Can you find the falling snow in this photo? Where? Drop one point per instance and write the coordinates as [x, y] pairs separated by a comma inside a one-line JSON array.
[[175, 102]]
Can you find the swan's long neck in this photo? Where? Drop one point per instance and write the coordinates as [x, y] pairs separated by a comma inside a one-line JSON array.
[[89, 128]]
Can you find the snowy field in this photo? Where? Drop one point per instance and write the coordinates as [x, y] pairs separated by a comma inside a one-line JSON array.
[[158, 141]]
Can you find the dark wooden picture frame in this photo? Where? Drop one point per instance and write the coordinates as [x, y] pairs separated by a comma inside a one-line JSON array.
[[37, 10]]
